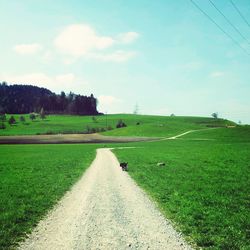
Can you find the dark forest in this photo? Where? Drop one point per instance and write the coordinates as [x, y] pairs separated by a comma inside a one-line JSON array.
[[23, 99]]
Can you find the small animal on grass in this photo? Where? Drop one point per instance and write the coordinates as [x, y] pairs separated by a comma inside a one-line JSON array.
[[124, 166], [161, 164]]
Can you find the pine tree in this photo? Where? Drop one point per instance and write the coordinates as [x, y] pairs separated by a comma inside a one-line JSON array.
[[42, 114]]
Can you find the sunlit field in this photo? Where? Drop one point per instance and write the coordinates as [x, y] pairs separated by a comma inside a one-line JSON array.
[[33, 179], [204, 186]]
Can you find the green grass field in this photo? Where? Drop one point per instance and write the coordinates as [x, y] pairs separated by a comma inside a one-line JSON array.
[[204, 187], [33, 179], [237, 134], [149, 125]]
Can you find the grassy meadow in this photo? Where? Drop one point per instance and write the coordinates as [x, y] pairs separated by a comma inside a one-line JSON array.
[[237, 134], [160, 126], [204, 187], [33, 179]]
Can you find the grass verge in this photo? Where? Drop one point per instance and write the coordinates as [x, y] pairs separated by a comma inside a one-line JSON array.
[[203, 189], [33, 179]]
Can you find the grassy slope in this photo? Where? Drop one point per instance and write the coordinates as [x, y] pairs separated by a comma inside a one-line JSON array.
[[52, 123], [167, 126], [149, 125], [33, 179], [204, 187], [237, 134]]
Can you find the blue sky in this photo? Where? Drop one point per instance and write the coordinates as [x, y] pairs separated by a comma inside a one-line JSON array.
[[164, 55]]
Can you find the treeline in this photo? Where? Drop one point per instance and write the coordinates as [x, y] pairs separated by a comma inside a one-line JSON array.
[[23, 99]]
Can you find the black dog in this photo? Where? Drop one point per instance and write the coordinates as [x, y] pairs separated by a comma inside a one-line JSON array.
[[124, 166]]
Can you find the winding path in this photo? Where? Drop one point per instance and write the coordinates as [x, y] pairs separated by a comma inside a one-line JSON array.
[[105, 209]]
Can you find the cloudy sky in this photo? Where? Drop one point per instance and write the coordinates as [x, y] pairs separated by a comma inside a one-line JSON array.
[[164, 55]]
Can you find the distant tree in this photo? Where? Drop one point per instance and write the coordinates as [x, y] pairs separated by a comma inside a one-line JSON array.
[[32, 116], [172, 115], [22, 118], [215, 115], [120, 124], [42, 114], [12, 120], [2, 126], [63, 101], [71, 96], [240, 122]]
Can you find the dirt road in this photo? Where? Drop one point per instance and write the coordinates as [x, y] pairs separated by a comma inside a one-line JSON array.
[[105, 209], [70, 138]]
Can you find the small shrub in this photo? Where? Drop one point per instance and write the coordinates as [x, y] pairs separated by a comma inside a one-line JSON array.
[[12, 120], [22, 118], [32, 116], [120, 124], [215, 115]]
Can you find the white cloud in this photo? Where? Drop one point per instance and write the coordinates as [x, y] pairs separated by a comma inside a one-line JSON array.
[[128, 37], [117, 56], [47, 56], [79, 39], [110, 104], [216, 74], [27, 49]]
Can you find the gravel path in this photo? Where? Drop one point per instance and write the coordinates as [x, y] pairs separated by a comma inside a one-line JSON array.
[[70, 138], [105, 209]]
